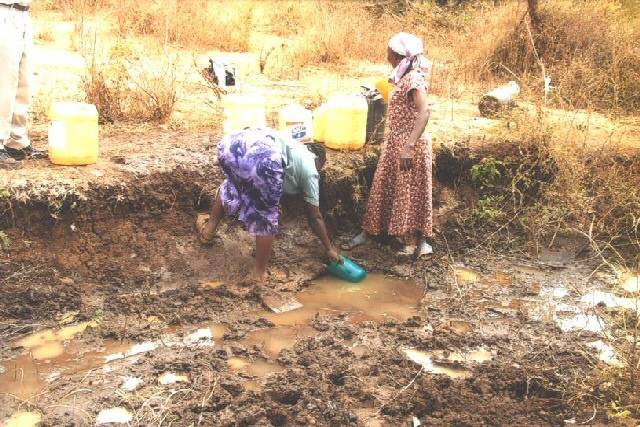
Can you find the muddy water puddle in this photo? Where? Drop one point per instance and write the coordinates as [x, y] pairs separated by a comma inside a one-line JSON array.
[[377, 298], [28, 374], [274, 340], [52, 353], [256, 368]]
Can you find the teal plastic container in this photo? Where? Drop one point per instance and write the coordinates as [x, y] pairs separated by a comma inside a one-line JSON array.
[[347, 270]]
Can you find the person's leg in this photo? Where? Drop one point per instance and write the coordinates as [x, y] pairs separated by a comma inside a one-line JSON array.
[[210, 227], [11, 42], [19, 138], [263, 255]]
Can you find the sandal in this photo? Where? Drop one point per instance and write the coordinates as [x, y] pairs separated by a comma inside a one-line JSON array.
[[423, 249], [358, 240]]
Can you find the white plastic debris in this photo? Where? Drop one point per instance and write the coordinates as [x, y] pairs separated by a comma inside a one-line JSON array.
[[116, 415], [131, 383], [201, 337], [583, 322], [610, 300], [172, 378], [606, 353]]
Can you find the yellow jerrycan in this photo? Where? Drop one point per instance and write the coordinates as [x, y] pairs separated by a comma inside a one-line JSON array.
[[243, 110], [73, 133], [346, 122], [384, 87], [319, 123]]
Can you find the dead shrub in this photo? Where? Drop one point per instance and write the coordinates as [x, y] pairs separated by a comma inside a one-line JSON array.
[[590, 50], [125, 87], [337, 32]]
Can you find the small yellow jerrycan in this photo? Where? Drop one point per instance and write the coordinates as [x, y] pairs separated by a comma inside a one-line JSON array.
[[73, 133], [384, 87]]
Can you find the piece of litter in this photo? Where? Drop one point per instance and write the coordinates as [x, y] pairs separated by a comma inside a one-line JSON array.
[[279, 304], [52, 377], [24, 419], [142, 348], [202, 337], [606, 353], [610, 300], [566, 308], [631, 283], [585, 322], [598, 297], [416, 422], [172, 378], [116, 415], [559, 293], [425, 360], [115, 356], [131, 383]]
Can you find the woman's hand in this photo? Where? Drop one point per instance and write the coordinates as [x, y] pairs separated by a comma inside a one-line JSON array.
[[334, 255], [406, 157]]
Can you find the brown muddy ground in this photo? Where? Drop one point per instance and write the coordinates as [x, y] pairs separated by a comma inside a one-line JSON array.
[[465, 338]]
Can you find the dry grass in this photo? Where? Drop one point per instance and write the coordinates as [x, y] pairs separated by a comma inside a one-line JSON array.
[[590, 50], [197, 23], [128, 87], [330, 32], [556, 183]]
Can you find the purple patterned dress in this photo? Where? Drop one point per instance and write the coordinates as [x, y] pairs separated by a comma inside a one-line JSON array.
[[252, 163]]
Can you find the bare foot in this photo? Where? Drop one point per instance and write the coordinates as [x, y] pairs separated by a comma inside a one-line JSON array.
[[206, 234]]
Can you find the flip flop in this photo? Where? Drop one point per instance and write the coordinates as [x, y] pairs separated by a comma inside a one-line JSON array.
[[358, 240], [424, 249]]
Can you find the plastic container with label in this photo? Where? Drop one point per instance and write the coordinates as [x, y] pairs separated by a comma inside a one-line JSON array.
[[297, 121]]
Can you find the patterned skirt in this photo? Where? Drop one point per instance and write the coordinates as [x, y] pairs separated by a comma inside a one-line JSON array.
[[400, 202], [252, 163]]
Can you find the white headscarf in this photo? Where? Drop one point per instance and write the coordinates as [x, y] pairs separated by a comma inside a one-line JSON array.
[[412, 49]]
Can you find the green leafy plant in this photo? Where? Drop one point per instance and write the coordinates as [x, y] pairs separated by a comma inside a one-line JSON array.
[[487, 173], [489, 209]]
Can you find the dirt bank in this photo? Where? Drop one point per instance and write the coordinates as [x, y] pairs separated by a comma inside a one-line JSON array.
[[113, 244]]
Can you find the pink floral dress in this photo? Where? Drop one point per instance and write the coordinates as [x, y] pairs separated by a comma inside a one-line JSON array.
[[400, 201]]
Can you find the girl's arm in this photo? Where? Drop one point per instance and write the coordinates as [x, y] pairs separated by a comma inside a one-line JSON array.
[[320, 229], [420, 99]]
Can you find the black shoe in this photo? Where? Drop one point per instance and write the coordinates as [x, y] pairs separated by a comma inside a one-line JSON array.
[[20, 154], [7, 161], [27, 152]]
